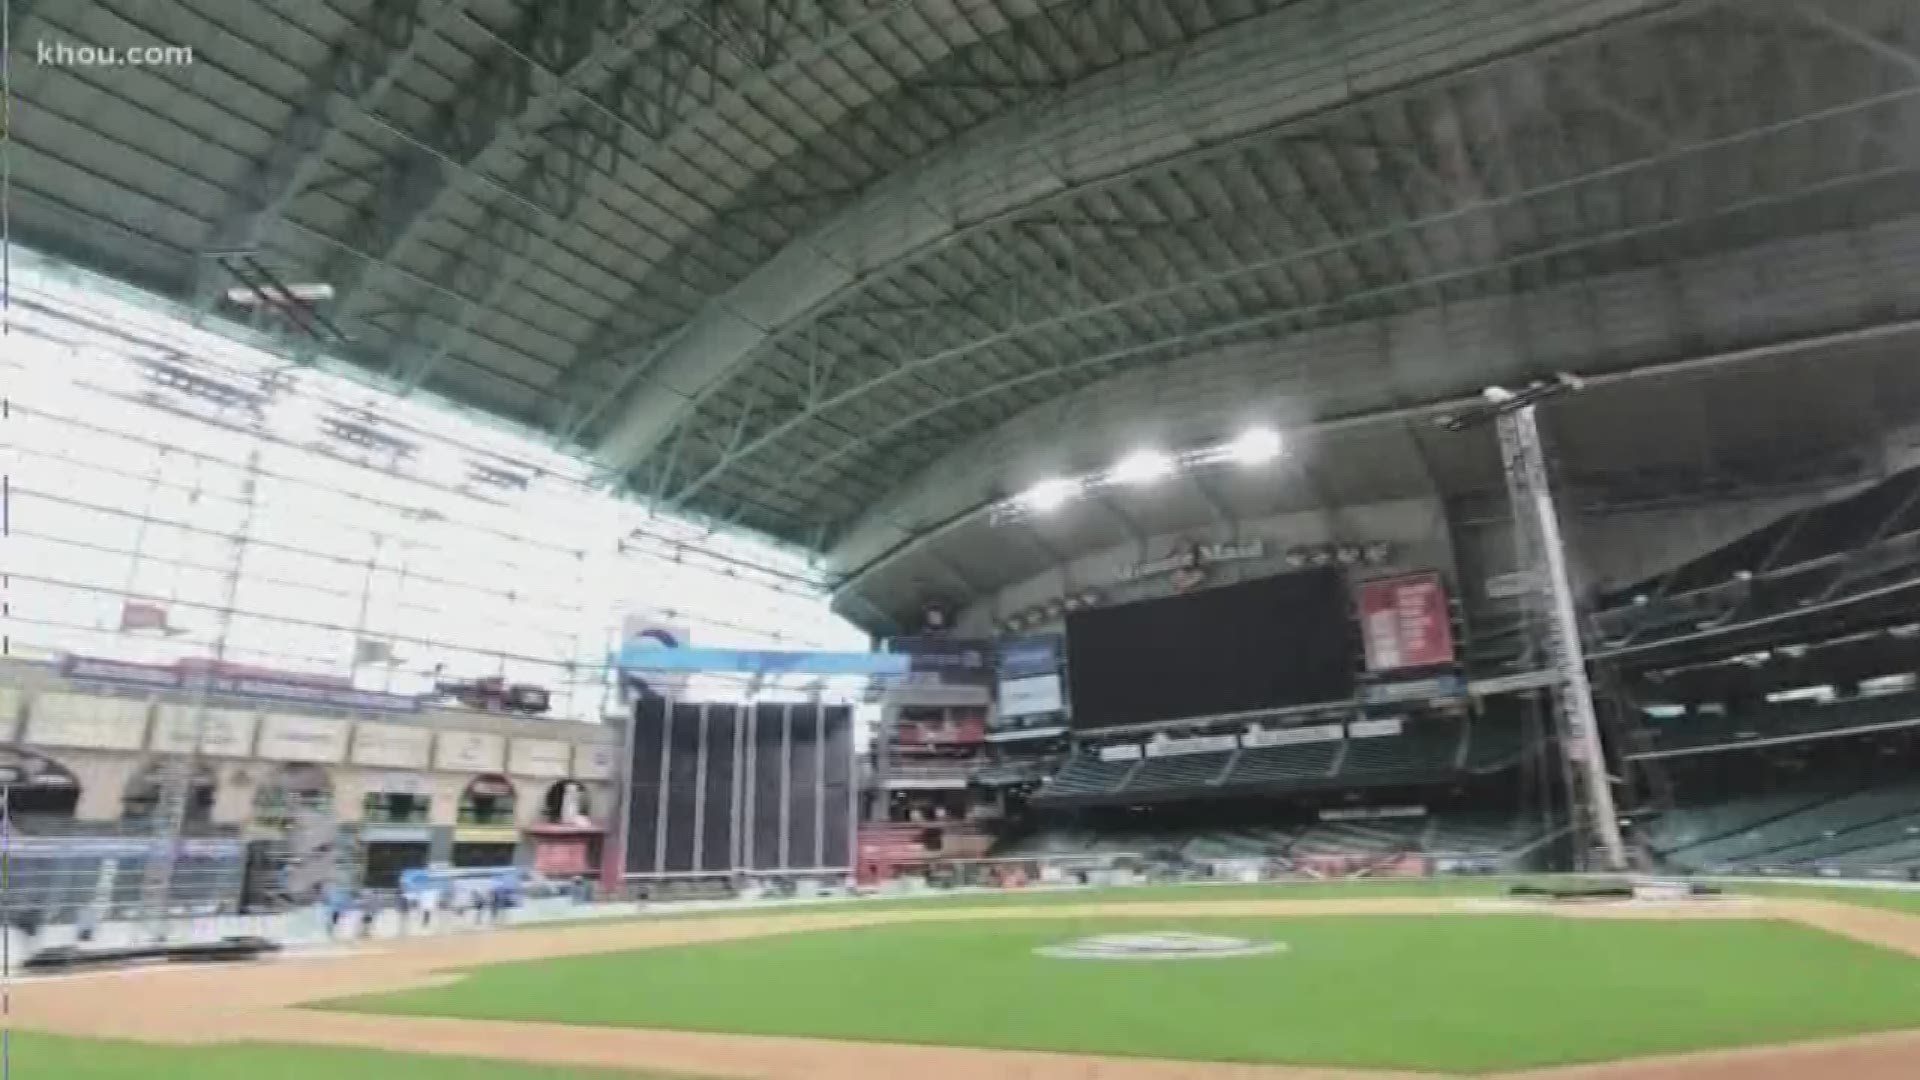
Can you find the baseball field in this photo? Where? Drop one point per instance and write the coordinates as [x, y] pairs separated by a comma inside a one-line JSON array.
[[1276, 982]]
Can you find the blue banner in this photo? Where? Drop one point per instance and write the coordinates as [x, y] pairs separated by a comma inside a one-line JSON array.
[[944, 655], [1037, 655], [759, 662], [243, 684]]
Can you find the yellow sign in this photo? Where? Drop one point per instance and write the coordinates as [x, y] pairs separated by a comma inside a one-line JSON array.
[[486, 834]]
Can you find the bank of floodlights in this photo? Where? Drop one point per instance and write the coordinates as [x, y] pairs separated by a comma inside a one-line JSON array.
[[1141, 468]]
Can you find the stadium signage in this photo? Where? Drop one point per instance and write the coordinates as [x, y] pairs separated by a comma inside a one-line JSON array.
[[1123, 752], [1188, 562], [1026, 656], [1371, 729], [1372, 813], [1035, 695], [1254, 740], [1406, 623], [248, 683], [1162, 945], [1444, 688], [1205, 744], [941, 655]]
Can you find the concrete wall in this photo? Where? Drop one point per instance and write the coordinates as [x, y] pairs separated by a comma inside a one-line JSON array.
[[124, 735]]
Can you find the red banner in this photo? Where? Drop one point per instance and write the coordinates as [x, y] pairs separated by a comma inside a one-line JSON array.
[[1406, 623], [964, 732]]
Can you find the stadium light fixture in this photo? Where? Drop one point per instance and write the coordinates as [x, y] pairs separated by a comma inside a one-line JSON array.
[[1255, 446], [1049, 495], [1142, 467]]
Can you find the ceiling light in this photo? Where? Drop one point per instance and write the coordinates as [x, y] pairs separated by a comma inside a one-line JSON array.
[[1256, 446], [1049, 495], [1142, 467]]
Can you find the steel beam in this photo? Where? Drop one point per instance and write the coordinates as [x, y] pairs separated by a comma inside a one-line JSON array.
[[553, 178], [1903, 58], [665, 117], [1197, 334], [1419, 413], [358, 74], [804, 280], [1462, 212]]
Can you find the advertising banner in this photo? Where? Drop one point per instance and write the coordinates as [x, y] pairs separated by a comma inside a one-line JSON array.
[[1371, 729], [1027, 656], [540, 757], [927, 691], [470, 751], [1405, 622], [9, 713], [1446, 687], [1293, 736], [312, 739], [223, 732], [947, 657], [642, 659], [1205, 744], [594, 762], [961, 732], [1036, 695], [391, 746], [231, 680], [87, 721]]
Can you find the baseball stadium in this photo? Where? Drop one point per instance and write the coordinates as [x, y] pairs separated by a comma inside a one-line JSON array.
[[960, 539]]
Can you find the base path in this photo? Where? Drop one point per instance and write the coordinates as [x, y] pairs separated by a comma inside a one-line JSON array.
[[258, 1003]]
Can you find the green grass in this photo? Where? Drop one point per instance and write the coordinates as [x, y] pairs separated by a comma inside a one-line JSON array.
[[33, 1055], [1343, 889], [1455, 993]]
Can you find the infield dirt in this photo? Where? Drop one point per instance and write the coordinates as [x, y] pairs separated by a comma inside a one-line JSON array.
[[260, 1002]]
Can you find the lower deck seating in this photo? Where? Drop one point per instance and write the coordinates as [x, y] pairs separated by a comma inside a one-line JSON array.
[[1493, 745], [1180, 771], [1414, 756], [1385, 837], [1476, 833], [1284, 764], [1087, 775], [1808, 830], [1473, 834]]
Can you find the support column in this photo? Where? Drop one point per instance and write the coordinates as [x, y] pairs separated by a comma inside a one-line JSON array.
[[660, 819], [700, 796], [786, 786], [1594, 819]]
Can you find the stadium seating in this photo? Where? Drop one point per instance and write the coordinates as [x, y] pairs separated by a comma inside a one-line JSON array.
[[1688, 827], [1811, 557], [1477, 833], [1410, 758], [1375, 837], [1783, 721], [1428, 752], [1088, 775], [1469, 833], [1283, 765], [1493, 745], [1180, 771], [1795, 830]]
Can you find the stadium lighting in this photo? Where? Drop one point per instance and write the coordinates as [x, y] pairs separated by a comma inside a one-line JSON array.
[[1049, 495], [1255, 446], [1141, 467]]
